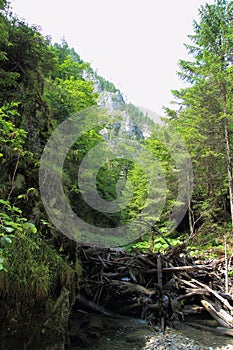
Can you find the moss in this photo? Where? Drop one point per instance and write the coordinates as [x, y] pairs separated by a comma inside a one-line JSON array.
[[34, 269]]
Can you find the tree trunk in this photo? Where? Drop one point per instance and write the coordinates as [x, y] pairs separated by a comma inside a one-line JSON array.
[[229, 165]]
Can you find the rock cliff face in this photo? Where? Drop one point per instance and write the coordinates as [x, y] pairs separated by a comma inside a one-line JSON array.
[[113, 101], [132, 121]]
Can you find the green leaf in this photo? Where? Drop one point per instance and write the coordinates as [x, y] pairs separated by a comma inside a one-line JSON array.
[[15, 225], [7, 203], [30, 226], [17, 210], [9, 229], [21, 196], [8, 240], [4, 216]]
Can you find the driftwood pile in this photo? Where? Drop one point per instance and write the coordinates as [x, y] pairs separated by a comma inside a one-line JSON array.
[[151, 286]]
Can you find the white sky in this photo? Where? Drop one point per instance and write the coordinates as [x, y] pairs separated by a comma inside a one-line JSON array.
[[136, 44]]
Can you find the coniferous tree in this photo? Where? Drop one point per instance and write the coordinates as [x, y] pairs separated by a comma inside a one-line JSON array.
[[204, 116]]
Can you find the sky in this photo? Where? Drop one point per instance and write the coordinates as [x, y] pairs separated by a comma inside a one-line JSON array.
[[136, 44]]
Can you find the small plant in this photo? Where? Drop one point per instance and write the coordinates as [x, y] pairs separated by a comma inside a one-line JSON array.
[[29, 266]]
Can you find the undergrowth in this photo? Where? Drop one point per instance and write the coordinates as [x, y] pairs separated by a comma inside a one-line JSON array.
[[30, 267]]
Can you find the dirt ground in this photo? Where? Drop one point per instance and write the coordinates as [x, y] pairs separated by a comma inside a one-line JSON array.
[[134, 334]]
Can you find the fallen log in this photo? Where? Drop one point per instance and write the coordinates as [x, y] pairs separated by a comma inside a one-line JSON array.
[[133, 284], [193, 293], [132, 287], [220, 315], [217, 330], [216, 294], [226, 296], [95, 307], [146, 260], [179, 268], [192, 310]]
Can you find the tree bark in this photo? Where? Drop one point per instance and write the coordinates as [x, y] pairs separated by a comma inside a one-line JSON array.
[[229, 165]]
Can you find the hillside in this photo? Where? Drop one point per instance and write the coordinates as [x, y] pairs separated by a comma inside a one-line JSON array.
[[132, 120]]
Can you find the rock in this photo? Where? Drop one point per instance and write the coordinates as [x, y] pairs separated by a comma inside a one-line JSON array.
[[132, 120], [139, 335], [112, 101], [55, 330]]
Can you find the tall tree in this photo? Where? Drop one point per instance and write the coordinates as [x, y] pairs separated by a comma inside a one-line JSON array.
[[67, 92], [205, 114]]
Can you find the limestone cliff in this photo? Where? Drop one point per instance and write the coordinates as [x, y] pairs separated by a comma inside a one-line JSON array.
[[133, 120]]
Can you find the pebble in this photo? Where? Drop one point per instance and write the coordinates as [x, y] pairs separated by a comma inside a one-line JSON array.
[[174, 341]]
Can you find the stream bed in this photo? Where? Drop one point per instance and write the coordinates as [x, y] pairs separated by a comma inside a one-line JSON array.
[[135, 334]]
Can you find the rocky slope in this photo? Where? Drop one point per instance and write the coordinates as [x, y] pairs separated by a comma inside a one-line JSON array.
[[133, 121]]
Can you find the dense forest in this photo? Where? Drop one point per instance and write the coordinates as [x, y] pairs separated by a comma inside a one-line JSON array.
[[41, 85]]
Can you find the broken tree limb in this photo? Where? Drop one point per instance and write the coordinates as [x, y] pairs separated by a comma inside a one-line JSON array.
[[160, 284], [146, 260], [95, 307], [187, 283], [134, 287], [220, 315], [192, 310], [218, 330], [159, 271], [216, 294], [193, 293], [180, 268], [128, 283], [226, 296]]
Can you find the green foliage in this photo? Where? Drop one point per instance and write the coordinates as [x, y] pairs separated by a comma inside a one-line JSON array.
[[30, 267], [43, 84], [66, 90], [205, 113], [2, 4], [12, 141], [138, 117], [26, 57], [105, 84], [31, 264], [11, 138], [69, 96], [148, 244], [10, 223], [7, 78]]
